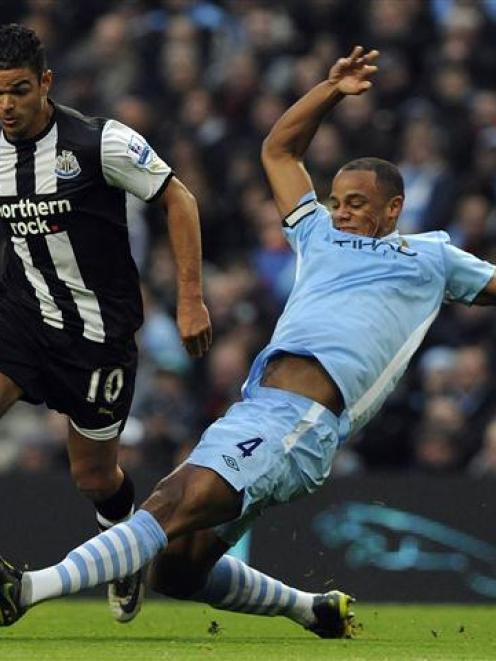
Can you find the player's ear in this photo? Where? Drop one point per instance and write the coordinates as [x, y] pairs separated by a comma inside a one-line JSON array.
[[46, 82], [395, 205]]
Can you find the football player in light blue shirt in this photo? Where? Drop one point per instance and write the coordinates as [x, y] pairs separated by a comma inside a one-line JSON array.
[[361, 306], [362, 301]]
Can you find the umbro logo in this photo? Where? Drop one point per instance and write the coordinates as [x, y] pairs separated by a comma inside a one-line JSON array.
[[232, 463], [67, 166]]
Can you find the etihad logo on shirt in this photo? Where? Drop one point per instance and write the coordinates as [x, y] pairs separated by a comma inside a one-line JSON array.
[[26, 217], [376, 245]]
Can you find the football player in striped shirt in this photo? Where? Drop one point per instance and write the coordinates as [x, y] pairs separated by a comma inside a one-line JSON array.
[[70, 300]]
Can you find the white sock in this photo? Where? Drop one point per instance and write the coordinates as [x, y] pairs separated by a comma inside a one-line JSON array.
[[233, 585], [118, 552]]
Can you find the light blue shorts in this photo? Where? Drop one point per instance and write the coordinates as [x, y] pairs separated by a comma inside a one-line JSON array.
[[274, 446]]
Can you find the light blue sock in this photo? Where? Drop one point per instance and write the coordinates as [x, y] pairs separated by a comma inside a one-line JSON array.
[[118, 552], [233, 585]]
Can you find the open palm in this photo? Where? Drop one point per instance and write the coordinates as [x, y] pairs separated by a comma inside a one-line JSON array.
[[351, 74]]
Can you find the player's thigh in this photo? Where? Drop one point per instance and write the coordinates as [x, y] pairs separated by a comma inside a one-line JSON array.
[[192, 498], [271, 448], [20, 353], [182, 568], [93, 385]]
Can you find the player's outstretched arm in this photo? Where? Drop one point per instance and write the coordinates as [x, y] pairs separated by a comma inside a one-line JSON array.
[[286, 144], [488, 295], [193, 319]]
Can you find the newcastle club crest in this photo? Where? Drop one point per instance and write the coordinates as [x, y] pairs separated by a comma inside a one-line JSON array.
[[66, 165]]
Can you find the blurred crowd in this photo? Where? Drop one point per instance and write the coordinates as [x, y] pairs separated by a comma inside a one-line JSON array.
[[204, 81]]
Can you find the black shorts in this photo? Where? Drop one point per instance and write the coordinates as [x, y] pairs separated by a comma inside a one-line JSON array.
[[92, 383]]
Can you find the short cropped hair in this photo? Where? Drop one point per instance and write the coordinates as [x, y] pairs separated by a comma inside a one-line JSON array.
[[20, 47], [389, 178]]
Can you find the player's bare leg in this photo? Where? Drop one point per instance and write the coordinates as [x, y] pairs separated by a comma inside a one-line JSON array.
[[94, 466], [10, 392], [191, 498], [194, 567], [182, 569], [95, 471]]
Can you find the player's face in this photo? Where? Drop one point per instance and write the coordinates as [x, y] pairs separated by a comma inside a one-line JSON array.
[[24, 108], [359, 207]]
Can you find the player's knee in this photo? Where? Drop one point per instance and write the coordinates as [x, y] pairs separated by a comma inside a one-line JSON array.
[[173, 496], [94, 481], [192, 498]]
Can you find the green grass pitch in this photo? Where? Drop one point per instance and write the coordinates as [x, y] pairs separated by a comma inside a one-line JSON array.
[[82, 630]]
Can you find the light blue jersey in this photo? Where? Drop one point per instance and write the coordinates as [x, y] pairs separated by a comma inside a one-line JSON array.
[[361, 306]]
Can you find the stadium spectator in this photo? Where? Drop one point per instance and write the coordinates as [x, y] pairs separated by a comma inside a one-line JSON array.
[[472, 223], [273, 261], [484, 462], [437, 450], [429, 185]]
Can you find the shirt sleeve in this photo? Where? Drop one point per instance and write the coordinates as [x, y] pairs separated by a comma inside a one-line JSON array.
[[466, 275], [128, 162], [300, 223]]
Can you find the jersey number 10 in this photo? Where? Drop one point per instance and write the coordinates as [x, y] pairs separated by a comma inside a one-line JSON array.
[[112, 385]]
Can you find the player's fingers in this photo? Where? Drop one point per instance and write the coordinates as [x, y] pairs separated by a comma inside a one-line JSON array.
[[371, 56], [204, 342], [343, 62], [191, 345], [198, 345], [193, 348], [351, 59], [370, 69], [355, 53], [366, 72]]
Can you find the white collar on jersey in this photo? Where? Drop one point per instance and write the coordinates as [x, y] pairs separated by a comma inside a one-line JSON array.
[[389, 237]]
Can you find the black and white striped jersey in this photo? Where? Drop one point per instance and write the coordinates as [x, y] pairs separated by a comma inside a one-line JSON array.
[[62, 205]]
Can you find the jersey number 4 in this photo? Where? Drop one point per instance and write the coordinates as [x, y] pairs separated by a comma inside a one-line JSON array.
[[247, 447]]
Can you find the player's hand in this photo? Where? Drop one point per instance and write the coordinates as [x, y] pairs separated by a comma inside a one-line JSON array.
[[350, 75], [193, 322]]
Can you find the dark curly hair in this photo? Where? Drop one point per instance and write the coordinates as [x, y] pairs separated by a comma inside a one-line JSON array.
[[19, 48], [389, 178]]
